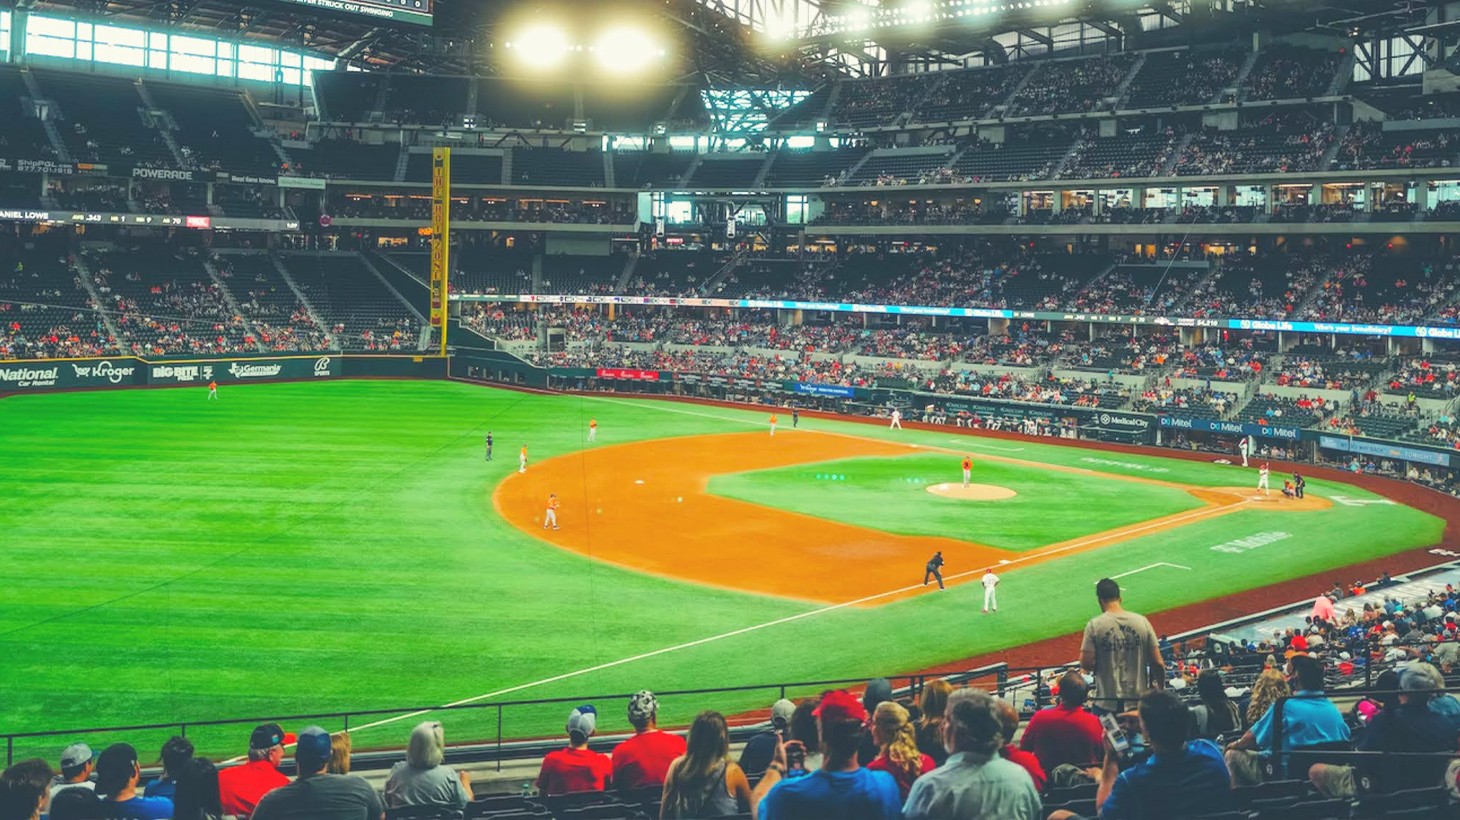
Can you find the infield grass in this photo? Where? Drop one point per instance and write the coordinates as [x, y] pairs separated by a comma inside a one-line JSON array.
[[302, 548]]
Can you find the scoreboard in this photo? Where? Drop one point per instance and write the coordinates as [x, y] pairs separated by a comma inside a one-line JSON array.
[[401, 11]]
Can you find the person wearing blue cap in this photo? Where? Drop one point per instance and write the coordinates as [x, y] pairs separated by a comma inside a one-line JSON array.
[[317, 794], [576, 768]]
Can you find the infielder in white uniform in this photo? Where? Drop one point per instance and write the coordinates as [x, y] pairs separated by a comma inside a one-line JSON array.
[[1262, 478], [896, 420], [1244, 446], [990, 600]]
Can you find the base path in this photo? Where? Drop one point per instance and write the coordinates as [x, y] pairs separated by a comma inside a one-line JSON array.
[[646, 506]]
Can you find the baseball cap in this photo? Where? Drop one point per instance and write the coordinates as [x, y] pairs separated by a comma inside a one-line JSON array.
[[878, 690], [1419, 677], [76, 755], [642, 706], [781, 712], [312, 748], [839, 704], [266, 736], [114, 767], [583, 720]]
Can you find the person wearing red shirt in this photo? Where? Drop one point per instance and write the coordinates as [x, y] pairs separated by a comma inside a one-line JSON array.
[[643, 760], [240, 787], [1028, 761], [1066, 732], [576, 768]]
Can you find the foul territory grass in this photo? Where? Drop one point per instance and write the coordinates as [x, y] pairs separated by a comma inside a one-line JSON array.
[[301, 548], [891, 494]]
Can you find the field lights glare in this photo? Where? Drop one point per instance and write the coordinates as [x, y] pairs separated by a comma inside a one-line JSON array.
[[541, 45], [625, 50]]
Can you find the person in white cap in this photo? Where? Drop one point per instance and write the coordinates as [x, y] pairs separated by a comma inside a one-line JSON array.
[[77, 765], [576, 768], [643, 760], [761, 747], [990, 598]]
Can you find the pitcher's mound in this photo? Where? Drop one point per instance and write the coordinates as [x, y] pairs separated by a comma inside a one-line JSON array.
[[973, 492]]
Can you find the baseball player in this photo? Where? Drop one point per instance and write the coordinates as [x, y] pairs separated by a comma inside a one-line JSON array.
[[896, 420], [795, 417], [934, 569], [1244, 446], [1262, 478], [550, 517], [1300, 484], [967, 469], [593, 429], [773, 425], [990, 600], [212, 391], [489, 445], [522, 459]]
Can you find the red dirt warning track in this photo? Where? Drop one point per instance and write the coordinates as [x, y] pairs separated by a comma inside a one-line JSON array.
[[621, 504]]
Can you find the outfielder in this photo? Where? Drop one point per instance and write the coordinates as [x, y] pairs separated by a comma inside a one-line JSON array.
[[212, 391], [990, 600], [551, 516], [522, 459], [934, 569], [1262, 478], [773, 425], [967, 469], [593, 429], [896, 420], [489, 445]]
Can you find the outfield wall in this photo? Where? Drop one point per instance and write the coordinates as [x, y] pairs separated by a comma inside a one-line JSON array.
[[45, 375]]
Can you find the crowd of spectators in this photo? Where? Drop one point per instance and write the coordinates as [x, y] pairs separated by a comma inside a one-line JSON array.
[[487, 209], [1425, 378]]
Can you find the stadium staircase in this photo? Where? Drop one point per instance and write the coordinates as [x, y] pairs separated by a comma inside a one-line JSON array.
[[1168, 166], [161, 120], [1343, 76], [1076, 149], [765, 170], [1008, 100], [314, 316], [736, 260], [622, 285], [401, 161], [609, 180], [507, 165], [1122, 91], [689, 172], [227, 294], [1326, 161], [1241, 79], [856, 166], [48, 122], [101, 306], [369, 263]]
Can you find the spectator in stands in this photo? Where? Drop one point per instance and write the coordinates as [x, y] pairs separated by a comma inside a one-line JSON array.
[[643, 760], [24, 789], [1120, 648], [807, 735], [1181, 778], [1217, 714], [933, 703], [841, 787], [895, 736], [1066, 733], [76, 803], [878, 690], [117, 774], [242, 786], [316, 793], [1310, 720], [704, 781], [975, 782], [576, 768], [177, 752], [340, 753], [1407, 726], [761, 747], [422, 779], [77, 765], [197, 795], [1025, 760], [1269, 686]]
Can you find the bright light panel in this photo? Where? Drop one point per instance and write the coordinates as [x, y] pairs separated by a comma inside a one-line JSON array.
[[541, 45], [626, 50]]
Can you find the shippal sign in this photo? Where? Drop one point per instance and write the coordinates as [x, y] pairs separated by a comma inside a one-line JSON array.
[[131, 372]]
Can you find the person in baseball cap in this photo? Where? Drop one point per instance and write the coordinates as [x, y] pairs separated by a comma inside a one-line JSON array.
[[317, 793], [240, 787], [841, 787], [576, 768], [117, 774], [761, 747], [643, 760], [77, 765]]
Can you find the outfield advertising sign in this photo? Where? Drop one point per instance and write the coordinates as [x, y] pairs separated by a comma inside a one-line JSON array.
[[128, 371], [1234, 428], [836, 391], [1367, 447], [69, 375]]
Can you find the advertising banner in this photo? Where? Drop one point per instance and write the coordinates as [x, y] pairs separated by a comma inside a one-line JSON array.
[[244, 370], [628, 373], [1131, 423], [1368, 447], [1235, 428], [832, 390]]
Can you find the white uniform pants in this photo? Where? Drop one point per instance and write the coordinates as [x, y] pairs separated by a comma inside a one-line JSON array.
[[522, 464], [967, 474], [990, 600], [592, 433], [550, 519]]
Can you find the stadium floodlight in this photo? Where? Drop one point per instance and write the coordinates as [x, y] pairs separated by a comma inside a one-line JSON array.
[[859, 20], [625, 50], [540, 45]]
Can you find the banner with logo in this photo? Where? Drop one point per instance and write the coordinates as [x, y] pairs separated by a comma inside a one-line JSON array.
[[832, 390], [68, 375], [1369, 447], [243, 370], [1234, 428], [628, 373]]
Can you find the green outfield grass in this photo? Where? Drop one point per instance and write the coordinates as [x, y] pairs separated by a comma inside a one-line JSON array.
[[890, 494], [299, 548]]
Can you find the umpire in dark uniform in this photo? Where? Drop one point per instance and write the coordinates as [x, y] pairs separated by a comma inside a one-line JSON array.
[[489, 446], [1299, 483], [934, 569]]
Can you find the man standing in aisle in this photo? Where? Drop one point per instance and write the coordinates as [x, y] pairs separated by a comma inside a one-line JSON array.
[[990, 599], [1121, 650]]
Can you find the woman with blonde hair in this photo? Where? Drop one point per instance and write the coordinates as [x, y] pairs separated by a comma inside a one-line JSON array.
[[895, 736], [422, 779], [933, 703], [704, 781], [1270, 686], [340, 749]]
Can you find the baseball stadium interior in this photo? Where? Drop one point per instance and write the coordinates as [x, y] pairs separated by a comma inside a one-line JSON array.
[[1194, 238]]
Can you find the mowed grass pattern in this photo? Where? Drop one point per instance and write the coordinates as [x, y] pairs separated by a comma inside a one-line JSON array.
[[890, 494], [300, 548]]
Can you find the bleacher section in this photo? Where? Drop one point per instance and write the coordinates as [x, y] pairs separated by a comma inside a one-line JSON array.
[[269, 304], [335, 157], [362, 313], [215, 128], [791, 168], [645, 169], [551, 166], [1289, 73], [1026, 153], [865, 103], [892, 166], [466, 168], [576, 273], [44, 312], [101, 119], [23, 135], [1071, 86], [167, 303], [1184, 77], [728, 171], [968, 95]]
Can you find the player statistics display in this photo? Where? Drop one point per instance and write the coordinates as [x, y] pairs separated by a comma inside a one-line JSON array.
[[403, 11]]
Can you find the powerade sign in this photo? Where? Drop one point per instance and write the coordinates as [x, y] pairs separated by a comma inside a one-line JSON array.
[[1365, 447], [831, 390], [1235, 428]]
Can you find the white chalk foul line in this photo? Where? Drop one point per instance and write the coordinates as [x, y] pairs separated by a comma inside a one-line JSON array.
[[1150, 566]]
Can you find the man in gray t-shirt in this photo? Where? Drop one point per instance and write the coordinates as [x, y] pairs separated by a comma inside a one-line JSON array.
[[1122, 651], [317, 795]]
